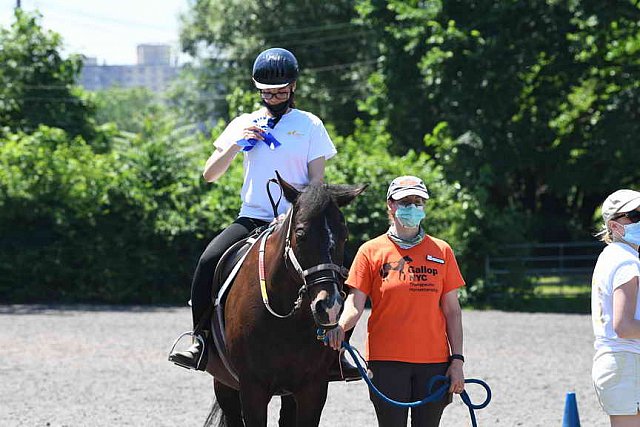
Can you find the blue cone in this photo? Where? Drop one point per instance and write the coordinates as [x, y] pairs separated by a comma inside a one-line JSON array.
[[571, 417]]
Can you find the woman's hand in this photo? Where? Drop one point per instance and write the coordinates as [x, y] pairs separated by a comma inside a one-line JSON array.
[[456, 375], [334, 337], [253, 132]]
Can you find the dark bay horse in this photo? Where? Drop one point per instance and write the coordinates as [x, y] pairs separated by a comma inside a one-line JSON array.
[[270, 332]]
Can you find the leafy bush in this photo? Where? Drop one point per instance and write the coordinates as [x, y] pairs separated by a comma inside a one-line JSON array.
[[116, 227]]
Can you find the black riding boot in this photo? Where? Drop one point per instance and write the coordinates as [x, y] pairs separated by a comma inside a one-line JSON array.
[[343, 370], [195, 357]]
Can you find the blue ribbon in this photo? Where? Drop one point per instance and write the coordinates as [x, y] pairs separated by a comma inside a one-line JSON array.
[[248, 144], [270, 140]]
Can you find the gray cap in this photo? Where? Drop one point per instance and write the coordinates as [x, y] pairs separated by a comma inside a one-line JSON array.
[[621, 201], [407, 185]]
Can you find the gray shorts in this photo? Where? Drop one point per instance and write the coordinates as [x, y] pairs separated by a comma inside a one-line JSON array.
[[406, 382]]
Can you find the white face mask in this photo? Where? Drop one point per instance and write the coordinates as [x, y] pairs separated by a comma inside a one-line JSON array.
[[410, 215], [632, 233]]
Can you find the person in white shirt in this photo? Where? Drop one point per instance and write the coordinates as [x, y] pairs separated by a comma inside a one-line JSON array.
[[615, 310], [277, 137]]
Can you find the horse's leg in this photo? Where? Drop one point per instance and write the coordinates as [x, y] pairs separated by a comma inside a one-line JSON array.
[[287, 411], [229, 400], [310, 401], [255, 399]]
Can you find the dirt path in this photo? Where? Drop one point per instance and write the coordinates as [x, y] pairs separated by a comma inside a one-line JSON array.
[[105, 366]]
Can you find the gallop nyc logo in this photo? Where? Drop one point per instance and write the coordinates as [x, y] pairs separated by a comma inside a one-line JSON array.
[[419, 278]]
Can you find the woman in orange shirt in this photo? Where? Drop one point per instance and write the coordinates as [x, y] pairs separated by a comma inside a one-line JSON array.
[[415, 327]]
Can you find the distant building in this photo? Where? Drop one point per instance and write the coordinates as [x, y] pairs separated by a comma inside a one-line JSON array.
[[90, 60], [153, 71], [154, 54]]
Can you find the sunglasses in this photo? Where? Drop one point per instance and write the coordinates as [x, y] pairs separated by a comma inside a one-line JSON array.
[[277, 95], [417, 202], [633, 216]]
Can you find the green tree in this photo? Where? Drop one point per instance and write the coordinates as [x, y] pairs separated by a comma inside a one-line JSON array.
[[37, 85], [538, 95], [114, 227], [128, 108]]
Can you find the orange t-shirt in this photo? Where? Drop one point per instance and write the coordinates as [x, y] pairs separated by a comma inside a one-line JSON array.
[[405, 287]]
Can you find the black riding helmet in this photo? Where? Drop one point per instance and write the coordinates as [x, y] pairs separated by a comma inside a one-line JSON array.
[[274, 68]]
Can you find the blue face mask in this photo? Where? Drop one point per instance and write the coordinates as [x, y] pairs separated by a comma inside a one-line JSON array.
[[410, 216], [632, 233]]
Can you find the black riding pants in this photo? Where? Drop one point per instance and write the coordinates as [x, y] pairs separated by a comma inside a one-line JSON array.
[[406, 382], [203, 277]]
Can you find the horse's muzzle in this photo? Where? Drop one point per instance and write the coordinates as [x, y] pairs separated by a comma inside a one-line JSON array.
[[326, 308]]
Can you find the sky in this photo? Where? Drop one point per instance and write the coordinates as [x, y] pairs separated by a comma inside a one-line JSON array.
[[109, 30]]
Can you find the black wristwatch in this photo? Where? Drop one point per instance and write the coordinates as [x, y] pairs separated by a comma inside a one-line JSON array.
[[456, 356]]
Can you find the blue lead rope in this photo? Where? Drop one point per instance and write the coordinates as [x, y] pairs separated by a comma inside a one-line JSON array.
[[432, 396]]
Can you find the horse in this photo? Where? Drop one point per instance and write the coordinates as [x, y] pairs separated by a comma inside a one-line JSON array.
[[271, 346], [394, 266]]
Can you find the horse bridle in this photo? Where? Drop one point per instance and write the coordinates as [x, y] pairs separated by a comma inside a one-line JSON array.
[[290, 256]]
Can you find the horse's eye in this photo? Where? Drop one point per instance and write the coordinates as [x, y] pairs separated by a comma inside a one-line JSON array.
[[300, 233]]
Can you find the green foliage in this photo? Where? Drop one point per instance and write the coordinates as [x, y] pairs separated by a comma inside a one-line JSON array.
[[198, 94], [242, 101], [116, 227], [37, 86], [128, 108], [527, 87]]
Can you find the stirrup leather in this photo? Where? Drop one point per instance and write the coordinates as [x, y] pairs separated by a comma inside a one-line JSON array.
[[202, 351]]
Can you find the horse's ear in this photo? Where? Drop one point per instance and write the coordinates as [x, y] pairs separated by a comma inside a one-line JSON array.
[[344, 194], [289, 191]]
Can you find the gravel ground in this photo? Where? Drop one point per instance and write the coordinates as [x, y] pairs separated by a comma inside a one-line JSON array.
[[106, 366]]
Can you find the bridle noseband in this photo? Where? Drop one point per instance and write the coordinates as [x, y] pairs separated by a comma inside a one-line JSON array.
[[337, 272]]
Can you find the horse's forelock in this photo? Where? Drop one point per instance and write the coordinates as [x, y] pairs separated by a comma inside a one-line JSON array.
[[313, 201]]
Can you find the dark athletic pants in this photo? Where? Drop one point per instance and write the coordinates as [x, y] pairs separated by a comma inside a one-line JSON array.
[[406, 382], [202, 278]]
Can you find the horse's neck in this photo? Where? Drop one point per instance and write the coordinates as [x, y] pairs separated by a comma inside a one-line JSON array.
[[279, 278]]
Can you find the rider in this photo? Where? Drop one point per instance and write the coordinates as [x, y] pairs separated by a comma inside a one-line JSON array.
[[276, 137]]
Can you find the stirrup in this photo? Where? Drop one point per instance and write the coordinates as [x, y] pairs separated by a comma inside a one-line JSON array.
[[200, 340]]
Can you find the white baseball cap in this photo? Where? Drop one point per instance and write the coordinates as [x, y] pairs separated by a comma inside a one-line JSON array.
[[407, 185], [621, 201]]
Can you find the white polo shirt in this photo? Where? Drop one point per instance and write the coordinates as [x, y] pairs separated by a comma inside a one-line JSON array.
[[617, 264], [303, 138]]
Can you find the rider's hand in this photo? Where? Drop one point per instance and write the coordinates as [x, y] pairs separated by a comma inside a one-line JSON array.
[[456, 376], [253, 132], [334, 337], [278, 219]]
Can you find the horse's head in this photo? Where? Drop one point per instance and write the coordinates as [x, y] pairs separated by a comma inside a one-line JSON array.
[[316, 235]]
